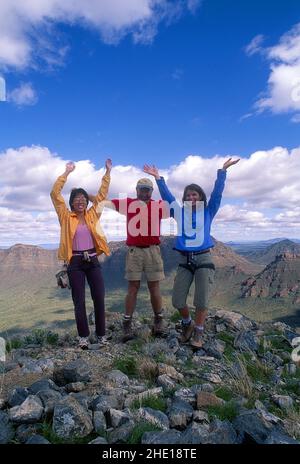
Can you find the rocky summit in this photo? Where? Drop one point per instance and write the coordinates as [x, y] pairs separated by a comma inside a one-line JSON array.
[[242, 386]]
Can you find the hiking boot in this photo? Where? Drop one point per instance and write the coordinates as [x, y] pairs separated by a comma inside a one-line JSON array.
[[197, 339], [127, 330], [83, 343], [102, 340], [159, 325], [186, 331]]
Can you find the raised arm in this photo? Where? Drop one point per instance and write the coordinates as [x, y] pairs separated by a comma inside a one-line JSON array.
[[161, 184], [55, 194], [100, 198], [216, 195]]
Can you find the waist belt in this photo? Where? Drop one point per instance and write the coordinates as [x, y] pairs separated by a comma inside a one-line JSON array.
[[193, 253], [192, 265], [86, 254]]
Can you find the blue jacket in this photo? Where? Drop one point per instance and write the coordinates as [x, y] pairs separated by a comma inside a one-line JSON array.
[[208, 214]]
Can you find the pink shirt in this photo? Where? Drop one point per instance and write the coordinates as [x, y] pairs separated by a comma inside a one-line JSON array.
[[83, 239]]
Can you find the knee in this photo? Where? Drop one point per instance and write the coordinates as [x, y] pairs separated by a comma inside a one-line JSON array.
[[133, 289]]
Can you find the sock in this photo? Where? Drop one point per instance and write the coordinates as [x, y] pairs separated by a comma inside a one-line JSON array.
[[126, 317], [186, 320], [159, 313], [199, 327]]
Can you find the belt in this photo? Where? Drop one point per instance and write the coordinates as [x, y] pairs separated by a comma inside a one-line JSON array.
[[85, 253], [187, 253], [143, 246]]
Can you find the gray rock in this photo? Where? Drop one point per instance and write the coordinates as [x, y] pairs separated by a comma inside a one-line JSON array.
[[17, 396], [215, 348], [71, 419], [75, 387], [7, 432], [170, 371], [213, 378], [173, 345], [291, 369], [30, 411], [37, 440], [155, 417], [46, 364], [49, 398], [82, 399], [74, 371], [207, 387], [195, 434], [283, 401], [252, 427], [25, 431], [31, 367], [99, 422], [42, 385], [180, 414], [200, 416], [234, 320], [165, 382], [9, 366], [99, 441], [279, 438], [104, 403], [118, 418], [186, 394], [167, 437], [245, 341], [118, 378], [2, 403], [222, 433], [122, 434]]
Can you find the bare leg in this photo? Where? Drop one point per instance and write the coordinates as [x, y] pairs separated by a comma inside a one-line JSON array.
[[130, 300], [201, 315], [155, 296]]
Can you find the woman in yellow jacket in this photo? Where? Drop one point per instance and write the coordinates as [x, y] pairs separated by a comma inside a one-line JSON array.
[[80, 244]]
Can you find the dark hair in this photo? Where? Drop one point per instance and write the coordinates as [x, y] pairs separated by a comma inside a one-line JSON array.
[[195, 188], [74, 193]]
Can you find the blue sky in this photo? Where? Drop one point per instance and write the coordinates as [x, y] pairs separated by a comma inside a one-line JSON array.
[[191, 89]]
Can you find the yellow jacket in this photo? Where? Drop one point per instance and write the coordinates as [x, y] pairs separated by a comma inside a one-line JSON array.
[[69, 221]]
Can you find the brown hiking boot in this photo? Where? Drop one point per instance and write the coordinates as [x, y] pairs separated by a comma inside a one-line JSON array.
[[197, 339], [187, 331], [127, 330], [159, 326]]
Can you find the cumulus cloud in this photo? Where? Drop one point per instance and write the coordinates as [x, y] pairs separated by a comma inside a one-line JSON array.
[[262, 192], [29, 28], [24, 95], [283, 90]]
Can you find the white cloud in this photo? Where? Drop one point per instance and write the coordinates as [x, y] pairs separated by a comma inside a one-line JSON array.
[[24, 95], [262, 192], [283, 91], [29, 28], [255, 45]]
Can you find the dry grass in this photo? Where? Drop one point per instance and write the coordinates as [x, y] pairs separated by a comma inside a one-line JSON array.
[[292, 423], [148, 369]]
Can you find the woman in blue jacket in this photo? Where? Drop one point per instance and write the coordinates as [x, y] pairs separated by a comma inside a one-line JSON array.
[[193, 243]]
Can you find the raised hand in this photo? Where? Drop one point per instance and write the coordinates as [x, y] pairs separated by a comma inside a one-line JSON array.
[[108, 164], [151, 170], [229, 163], [70, 167]]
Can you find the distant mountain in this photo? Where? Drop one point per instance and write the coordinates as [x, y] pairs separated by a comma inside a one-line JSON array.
[[244, 248], [268, 254], [280, 279]]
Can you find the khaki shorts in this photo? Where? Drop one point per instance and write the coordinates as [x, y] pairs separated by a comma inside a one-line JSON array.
[[204, 280], [147, 260]]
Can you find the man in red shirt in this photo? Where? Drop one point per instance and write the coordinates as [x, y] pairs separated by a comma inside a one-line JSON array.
[[143, 216]]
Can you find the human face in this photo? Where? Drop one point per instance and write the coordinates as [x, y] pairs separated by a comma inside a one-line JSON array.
[[79, 203], [193, 196], [144, 194]]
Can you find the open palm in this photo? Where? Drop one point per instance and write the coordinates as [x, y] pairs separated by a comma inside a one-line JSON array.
[[151, 170], [229, 163]]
